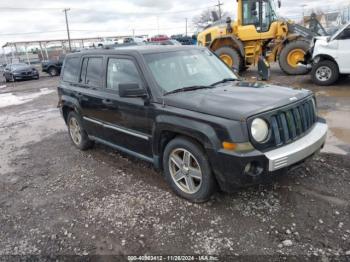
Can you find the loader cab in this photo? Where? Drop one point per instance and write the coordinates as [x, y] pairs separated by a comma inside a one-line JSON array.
[[257, 19]]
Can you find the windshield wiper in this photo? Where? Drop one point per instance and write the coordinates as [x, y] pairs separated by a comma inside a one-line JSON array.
[[188, 88], [224, 81]]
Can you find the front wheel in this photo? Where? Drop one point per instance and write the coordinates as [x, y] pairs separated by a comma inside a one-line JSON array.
[[325, 73], [187, 170], [291, 55]]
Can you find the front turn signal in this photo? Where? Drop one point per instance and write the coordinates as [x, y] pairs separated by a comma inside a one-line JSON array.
[[237, 147]]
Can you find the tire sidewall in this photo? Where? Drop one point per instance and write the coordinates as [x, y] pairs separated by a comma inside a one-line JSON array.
[[208, 182], [332, 66]]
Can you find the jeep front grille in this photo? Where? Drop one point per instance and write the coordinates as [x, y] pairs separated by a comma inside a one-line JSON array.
[[288, 124]]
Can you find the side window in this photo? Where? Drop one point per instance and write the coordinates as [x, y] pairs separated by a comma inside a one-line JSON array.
[[345, 35], [71, 69], [251, 12], [91, 73], [121, 71]]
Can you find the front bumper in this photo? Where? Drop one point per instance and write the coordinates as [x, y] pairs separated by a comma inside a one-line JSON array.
[[230, 167], [299, 150]]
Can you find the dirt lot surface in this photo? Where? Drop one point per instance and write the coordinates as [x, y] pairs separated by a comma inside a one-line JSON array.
[[57, 200]]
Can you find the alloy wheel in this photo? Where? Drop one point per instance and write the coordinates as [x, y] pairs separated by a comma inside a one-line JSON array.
[[185, 171], [75, 131]]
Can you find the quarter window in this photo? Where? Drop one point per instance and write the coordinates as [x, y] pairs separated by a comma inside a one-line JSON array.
[[71, 69], [121, 71], [91, 73]]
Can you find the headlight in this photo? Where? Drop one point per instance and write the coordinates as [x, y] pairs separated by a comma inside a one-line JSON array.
[[259, 130]]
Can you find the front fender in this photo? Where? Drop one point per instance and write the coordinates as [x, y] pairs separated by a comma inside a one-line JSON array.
[[202, 132]]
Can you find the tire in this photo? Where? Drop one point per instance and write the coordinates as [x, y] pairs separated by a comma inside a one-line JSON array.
[[53, 71], [199, 190], [7, 80], [286, 54], [227, 53], [325, 73], [84, 142]]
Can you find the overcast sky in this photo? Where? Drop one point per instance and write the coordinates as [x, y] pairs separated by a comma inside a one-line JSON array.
[[42, 19]]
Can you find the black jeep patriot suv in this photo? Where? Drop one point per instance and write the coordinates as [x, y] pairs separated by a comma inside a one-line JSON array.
[[185, 111]]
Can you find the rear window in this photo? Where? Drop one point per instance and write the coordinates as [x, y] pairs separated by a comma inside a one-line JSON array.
[[91, 73], [71, 69]]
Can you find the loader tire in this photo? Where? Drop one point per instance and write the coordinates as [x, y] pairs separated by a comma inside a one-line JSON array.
[[292, 54], [231, 57]]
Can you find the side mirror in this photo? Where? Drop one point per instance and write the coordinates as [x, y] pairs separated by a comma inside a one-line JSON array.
[[131, 90]]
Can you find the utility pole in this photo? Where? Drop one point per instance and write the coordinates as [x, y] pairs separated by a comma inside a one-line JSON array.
[[186, 26], [65, 13], [219, 7]]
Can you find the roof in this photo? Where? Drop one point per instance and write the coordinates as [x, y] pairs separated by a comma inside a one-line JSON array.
[[143, 49]]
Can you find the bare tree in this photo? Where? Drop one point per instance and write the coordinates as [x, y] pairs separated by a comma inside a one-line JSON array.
[[206, 17]]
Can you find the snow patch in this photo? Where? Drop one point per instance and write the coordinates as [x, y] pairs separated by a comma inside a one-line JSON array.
[[9, 99]]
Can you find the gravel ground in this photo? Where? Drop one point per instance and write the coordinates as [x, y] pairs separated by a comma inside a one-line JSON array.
[[56, 200]]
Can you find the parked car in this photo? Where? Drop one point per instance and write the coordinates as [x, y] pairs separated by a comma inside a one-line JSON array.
[[53, 68], [105, 42], [15, 72], [185, 111], [331, 57], [184, 40], [159, 38], [127, 40]]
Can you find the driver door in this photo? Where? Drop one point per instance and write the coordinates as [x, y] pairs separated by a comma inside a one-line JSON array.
[[344, 51]]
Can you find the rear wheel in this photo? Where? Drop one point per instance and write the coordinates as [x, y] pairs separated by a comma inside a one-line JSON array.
[[187, 170], [77, 133], [325, 73], [53, 71], [291, 55], [231, 57]]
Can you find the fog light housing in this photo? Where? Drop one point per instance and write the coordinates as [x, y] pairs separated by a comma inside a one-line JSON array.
[[253, 169]]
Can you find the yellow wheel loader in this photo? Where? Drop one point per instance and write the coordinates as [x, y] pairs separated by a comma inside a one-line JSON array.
[[258, 32]]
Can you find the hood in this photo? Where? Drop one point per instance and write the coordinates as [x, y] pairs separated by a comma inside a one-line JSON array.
[[236, 101], [22, 69]]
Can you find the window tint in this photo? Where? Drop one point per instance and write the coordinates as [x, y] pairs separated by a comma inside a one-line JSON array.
[[121, 71], [94, 71], [71, 69]]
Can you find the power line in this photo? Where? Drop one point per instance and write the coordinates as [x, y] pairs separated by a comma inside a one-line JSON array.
[[219, 7]]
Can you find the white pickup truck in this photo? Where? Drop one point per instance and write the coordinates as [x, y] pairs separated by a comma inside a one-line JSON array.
[[330, 57]]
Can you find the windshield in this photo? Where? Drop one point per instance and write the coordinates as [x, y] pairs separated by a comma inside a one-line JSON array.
[[179, 69], [340, 30]]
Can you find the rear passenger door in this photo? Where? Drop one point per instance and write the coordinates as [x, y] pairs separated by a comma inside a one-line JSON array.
[[89, 92], [127, 120]]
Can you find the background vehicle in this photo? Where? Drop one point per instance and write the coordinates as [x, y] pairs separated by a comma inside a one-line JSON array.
[[159, 38], [53, 68], [14, 72], [166, 42], [184, 40], [258, 32], [105, 42], [182, 109], [331, 57]]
